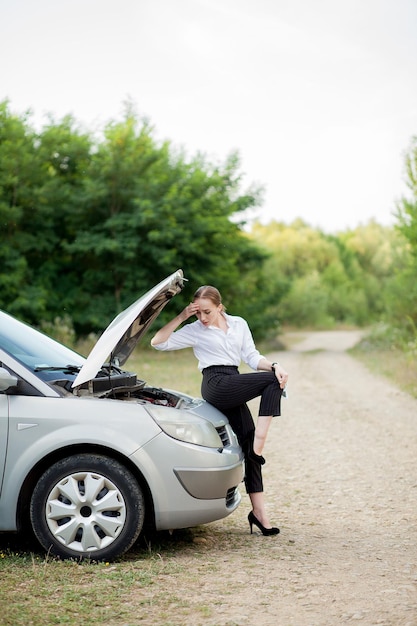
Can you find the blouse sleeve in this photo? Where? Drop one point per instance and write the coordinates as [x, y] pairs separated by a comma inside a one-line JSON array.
[[250, 354], [182, 338]]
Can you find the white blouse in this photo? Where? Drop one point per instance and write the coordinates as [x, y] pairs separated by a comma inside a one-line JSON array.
[[212, 346]]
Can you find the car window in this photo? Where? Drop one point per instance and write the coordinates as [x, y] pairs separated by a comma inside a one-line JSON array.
[[23, 387], [32, 348]]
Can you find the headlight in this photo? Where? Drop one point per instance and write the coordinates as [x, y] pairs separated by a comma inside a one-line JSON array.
[[186, 426]]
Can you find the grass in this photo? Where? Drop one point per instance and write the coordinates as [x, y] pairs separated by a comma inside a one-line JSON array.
[[155, 583], [398, 366], [161, 369], [38, 590]]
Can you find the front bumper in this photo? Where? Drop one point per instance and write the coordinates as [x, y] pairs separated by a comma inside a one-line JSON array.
[[190, 485], [209, 483]]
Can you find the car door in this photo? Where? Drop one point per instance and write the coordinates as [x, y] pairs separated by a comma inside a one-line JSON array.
[[4, 428]]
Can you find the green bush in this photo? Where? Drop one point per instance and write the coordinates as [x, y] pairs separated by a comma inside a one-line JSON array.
[[306, 303]]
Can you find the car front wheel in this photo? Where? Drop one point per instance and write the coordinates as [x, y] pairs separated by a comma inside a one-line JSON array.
[[87, 505]]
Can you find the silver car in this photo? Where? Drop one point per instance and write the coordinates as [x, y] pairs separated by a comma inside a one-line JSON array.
[[89, 452]]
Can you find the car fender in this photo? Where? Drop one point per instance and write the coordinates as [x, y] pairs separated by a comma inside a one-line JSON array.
[[35, 434]]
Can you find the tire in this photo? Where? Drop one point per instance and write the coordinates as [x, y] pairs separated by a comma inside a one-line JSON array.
[[87, 506]]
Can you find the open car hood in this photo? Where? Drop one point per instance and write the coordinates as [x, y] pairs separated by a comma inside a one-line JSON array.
[[120, 338]]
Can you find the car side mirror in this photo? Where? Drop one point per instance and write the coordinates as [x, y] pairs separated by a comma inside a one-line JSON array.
[[7, 380]]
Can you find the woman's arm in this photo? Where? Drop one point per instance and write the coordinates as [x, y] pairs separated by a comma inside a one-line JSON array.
[[280, 372], [166, 331]]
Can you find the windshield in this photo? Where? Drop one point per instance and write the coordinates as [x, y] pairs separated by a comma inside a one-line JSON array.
[[39, 353]]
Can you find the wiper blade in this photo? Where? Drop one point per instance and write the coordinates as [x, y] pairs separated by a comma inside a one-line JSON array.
[[70, 369]]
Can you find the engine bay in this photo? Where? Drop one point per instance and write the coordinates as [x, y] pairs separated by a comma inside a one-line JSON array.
[[116, 384], [151, 395]]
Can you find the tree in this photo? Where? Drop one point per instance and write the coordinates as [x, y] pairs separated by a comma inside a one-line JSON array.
[[402, 301], [63, 151], [328, 279], [407, 207], [20, 174], [90, 224], [148, 211]]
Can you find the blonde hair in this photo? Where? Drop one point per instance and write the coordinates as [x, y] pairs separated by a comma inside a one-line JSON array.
[[211, 293]]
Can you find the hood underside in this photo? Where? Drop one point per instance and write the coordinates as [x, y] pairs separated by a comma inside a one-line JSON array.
[[120, 338]]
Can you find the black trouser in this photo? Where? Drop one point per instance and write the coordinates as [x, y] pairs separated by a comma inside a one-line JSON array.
[[228, 390]]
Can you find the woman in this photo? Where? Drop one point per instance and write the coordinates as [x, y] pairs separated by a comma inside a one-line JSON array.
[[220, 342]]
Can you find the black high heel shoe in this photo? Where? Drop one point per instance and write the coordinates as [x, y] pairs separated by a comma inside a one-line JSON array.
[[250, 453], [265, 531]]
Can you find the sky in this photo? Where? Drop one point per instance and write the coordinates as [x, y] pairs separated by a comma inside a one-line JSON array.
[[318, 97]]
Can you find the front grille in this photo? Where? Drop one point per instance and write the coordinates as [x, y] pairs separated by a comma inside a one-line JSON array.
[[231, 496], [224, 436]]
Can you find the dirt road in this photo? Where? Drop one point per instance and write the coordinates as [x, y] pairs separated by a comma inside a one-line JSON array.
[[344, 465], [341, 482]]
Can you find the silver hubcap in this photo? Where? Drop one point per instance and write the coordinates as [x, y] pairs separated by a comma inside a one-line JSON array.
[[85, 512]]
